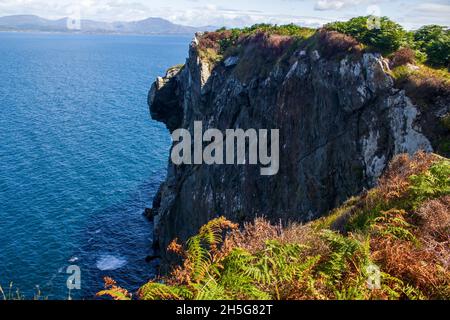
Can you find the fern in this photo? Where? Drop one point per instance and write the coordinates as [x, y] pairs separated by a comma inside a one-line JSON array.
[[397, 289], [198, 257], [114, 294], [201, 249], [351, 293], [272, 268], [210, 289], [344, 249], [114, 291], [393, 224], [212, 232], [238, 282], [160, 291], [201, 267], [431, 184]]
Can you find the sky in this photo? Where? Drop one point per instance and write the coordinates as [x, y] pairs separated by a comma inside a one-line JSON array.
[[237, 13]]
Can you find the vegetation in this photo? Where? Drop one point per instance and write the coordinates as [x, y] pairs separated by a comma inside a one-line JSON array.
[[270, 39], [402, 57], [235, 36], [387, 37], [398, 230], [435, 42], [424, 85], [336, 44], [430, 44]]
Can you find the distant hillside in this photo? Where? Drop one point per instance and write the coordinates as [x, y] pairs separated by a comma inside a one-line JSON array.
[[147, 26]]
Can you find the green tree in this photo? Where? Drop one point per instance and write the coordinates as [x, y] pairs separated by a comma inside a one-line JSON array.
[[434, 40], [387, 37]]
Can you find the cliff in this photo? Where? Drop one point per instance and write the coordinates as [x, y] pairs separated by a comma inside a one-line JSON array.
[[340, 113]]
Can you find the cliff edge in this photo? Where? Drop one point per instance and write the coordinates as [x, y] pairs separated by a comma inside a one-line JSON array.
[[341, 114]]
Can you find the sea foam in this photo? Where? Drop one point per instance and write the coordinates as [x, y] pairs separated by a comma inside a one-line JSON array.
[[110, 262]]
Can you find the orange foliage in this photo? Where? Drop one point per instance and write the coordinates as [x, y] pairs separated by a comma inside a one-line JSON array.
[[395, 182]]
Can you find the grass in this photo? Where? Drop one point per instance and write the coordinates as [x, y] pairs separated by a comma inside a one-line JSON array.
[[15, 294], [400, 228], [423, 84], [403, 72]]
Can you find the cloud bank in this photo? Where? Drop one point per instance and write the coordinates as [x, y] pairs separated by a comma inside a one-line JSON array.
[[236, 13]]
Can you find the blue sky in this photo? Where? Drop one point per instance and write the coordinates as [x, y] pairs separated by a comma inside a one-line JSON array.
[[410, 13]]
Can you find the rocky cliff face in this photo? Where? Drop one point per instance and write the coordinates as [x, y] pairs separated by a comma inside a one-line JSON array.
[[340, 119]]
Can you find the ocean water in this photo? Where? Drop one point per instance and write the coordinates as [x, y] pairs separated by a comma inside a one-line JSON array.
[[80, 158]]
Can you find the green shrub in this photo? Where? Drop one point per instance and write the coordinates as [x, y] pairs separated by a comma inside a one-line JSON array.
[[387, 39], [435, 42]]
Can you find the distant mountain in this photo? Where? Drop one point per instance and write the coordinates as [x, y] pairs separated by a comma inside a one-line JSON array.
[[147, 26]]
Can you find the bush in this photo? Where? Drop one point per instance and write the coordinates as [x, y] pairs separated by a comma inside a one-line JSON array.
[[334, 43], [435, 42], [402, 57], [387, 39]]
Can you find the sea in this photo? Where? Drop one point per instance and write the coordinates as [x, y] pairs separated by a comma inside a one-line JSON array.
[[80, 160]]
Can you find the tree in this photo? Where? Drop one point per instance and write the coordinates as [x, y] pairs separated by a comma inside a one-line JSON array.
[[387, 37], [434, 40]]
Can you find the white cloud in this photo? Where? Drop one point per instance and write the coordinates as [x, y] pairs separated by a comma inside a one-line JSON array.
[[336, 4], [205, 12], [323, 5], [219, 16], [93, 9], [434, 8], [197, 14], [426, 13]]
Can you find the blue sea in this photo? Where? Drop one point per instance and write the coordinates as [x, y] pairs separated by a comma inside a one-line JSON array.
[[80, 158]]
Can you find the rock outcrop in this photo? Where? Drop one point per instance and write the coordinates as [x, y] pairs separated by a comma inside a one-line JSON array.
[[340, 119]]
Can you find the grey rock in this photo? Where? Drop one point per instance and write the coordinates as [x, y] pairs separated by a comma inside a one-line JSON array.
[[231, 61]]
